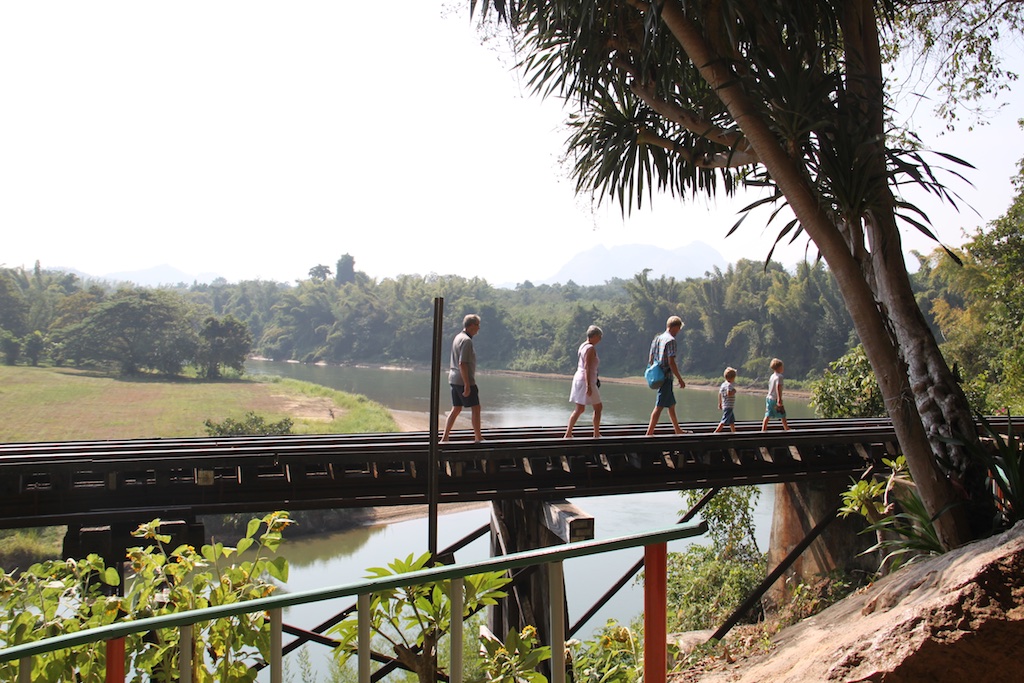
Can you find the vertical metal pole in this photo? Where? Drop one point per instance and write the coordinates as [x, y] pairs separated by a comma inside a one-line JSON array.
[[276, 666], [25, 670], [435, 408], [556, 594], [455, 595], [363, 610], [655, 613], [185, 654], [115, 661]]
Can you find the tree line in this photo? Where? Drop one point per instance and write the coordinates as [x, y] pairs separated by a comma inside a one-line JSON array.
[[741, 316], [55, 317]]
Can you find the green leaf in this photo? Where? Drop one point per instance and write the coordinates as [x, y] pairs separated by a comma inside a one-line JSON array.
[[252, 528], [278, 568], [111, 577]]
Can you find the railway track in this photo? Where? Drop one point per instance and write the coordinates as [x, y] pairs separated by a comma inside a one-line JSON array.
[[91, 482]]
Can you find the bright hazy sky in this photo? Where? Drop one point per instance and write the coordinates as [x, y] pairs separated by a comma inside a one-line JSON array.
[[256, 139]]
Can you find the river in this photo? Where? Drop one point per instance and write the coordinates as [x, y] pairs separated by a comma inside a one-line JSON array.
[[508, 401]]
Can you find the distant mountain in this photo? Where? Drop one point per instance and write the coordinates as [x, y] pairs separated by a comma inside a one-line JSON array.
[[600, 264], [158, 275]]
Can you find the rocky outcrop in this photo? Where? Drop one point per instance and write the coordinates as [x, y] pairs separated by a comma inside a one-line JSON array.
[[956, 617]]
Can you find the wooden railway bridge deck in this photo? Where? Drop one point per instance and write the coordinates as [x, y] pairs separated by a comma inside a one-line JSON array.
[[103, 482]]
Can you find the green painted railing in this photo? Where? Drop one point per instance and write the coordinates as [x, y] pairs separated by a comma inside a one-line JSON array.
[[553, 555]]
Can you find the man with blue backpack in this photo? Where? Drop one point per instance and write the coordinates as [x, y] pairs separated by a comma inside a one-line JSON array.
[[663, 354]]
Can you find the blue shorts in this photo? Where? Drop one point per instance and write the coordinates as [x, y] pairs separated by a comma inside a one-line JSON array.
[[728, 417], [771, 408], [666, 399], [458, 400]]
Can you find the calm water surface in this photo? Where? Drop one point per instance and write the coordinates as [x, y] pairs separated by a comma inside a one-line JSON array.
[[508, 401]]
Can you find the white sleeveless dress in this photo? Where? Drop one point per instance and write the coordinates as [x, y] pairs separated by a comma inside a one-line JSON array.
[[578, 394]]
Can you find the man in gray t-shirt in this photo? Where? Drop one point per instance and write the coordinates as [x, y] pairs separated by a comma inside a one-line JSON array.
[[462, 377]]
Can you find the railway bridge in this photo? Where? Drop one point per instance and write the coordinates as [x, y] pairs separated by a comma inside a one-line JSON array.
[[82, 483], [112, 486]]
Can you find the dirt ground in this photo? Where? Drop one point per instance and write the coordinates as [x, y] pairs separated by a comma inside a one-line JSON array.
[[316, 408]]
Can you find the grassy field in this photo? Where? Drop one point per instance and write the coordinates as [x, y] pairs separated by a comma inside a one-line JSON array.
[[61, 404]]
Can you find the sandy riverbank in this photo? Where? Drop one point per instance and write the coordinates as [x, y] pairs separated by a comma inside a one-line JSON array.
[[403, 513]]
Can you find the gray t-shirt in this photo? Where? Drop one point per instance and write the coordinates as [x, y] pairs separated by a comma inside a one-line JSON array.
[[462, 352]]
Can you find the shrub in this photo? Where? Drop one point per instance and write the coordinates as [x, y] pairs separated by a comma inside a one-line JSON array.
[[57, 597], [251, 425]]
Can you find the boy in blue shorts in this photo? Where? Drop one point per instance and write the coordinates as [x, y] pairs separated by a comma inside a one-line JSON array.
[[773, 406], [727, 400]]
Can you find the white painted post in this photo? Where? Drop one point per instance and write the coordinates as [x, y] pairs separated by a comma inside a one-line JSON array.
[[556, 594], [363, 612], [455, 637], [25, 670], [276, 665], [185, 654]]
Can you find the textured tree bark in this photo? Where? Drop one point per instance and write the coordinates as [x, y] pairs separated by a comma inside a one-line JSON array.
[[939, 399]]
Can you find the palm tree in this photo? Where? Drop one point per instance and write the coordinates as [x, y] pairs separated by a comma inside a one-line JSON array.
[[787, 95]]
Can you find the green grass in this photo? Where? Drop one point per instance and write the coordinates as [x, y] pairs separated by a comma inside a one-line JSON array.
[[21, 548], [61, 404]]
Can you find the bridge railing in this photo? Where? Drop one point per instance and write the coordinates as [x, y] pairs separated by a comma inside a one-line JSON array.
[[554, 556]]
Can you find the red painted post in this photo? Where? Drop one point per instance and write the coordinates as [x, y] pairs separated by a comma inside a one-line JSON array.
[[115, 661], [655, 613]]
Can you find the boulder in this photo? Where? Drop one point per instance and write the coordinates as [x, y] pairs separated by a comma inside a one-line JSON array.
[[955, 617]]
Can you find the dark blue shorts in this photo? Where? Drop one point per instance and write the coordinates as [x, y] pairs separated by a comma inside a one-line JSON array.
[[465, 401], [728, 417], [666, 399]]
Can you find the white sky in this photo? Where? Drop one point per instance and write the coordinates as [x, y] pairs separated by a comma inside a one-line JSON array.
[[258, 139]]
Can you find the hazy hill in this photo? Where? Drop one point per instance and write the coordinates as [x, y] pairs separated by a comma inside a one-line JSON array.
[[158, 275], [600, 264], [147, 277], [592, 267]]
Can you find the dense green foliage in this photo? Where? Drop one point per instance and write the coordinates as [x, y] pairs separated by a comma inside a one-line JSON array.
[[890, 502], [56, 597], [706, 583], [55, 316], [513, 660], [979, 308], [848, 389], [615, 655]]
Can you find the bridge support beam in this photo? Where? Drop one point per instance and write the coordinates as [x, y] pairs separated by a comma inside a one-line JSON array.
[[518, 525], [799, 506]]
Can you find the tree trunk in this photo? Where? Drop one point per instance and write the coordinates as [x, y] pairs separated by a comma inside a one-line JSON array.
[[940, 401], [880, 345], [424, 662]]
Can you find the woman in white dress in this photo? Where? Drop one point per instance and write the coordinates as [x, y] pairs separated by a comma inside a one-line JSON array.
[[585, 385]]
